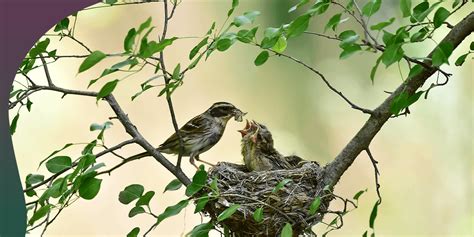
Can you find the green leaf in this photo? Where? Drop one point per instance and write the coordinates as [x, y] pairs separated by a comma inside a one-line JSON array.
[[246, 36], [134, 232], [298, 26], [52, 53], [280, 45], [176, 72], [348, 37], [383, 24], [172, 211], [58, 187], [349, 50], [418, 36], [152, 47], [371, 7], [131, 193], [175, 184], [28, 104], [40, 213], [258, 215], [313, 208], [358, 194], [196, 48], [129, 40], [364, 234], [392, 54], [95, 126], [14, 123], [421, 11], [261, 58], [461, 59], [228, 212], [111, 2], [58, 164], [271, 37], [40, 47], [235, 3], [334, 21], [88, 149], [301, 3], [374, 70], [287, 231], [107, 89], [145, 199], [403, 100], [223, 44], [55, 152], [89, 188], [415, 70], [319, 7], [405, 7], [91, 60], [442, 53], [135, 211], [144, 25], [199, 180], [195, 62], [214, 186], [33, 179], [246, 18], [373, 215], [62, 25], [440, 16], [201, 230], [280, 185], [201, 203], [455, 3]]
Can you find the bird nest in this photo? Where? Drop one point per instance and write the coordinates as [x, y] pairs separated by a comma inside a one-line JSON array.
[[281, 204]]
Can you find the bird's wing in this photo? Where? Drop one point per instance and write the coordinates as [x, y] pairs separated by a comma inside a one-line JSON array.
[[193, 126]]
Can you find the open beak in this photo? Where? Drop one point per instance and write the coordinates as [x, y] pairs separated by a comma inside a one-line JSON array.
[[255, 134], [244, 131]]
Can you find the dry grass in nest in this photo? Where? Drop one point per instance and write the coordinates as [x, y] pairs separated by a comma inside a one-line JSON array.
[[253, 190]]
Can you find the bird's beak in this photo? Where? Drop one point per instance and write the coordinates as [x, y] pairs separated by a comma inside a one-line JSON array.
[[246, 129], [238, 115], [255, 134]]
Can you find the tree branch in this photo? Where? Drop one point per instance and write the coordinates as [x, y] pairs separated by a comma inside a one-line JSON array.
[[335, 169], [328, 84]]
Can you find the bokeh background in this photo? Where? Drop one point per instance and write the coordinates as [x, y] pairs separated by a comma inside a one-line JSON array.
[[425, 159]]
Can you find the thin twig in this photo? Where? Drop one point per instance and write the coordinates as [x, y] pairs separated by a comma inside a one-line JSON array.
[[79, 42], [377, 174], [167, 80], [328, 84], [46, 71]]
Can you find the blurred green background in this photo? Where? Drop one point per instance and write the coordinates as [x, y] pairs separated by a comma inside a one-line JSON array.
[[425, 159]]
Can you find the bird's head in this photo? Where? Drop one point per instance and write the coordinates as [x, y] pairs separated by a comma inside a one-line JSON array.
[[257, 135], [224, 111]]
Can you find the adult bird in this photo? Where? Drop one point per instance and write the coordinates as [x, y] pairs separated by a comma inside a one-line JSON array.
[[200, 133]]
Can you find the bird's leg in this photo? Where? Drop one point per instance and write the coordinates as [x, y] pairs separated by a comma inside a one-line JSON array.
[[191, 160], [203, 161]]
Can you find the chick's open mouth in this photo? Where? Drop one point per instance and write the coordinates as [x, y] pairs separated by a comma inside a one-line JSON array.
[[250, 128]]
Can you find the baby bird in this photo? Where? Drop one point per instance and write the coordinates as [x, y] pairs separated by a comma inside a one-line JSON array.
[[258, 150]]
